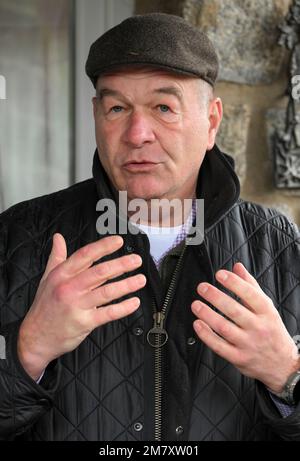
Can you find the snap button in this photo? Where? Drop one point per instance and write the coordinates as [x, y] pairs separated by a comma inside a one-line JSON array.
[[129, 249], [138, 427], [191, 341], [137, 331], [179, 430]]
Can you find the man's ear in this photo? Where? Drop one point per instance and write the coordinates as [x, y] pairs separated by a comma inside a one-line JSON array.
[[215, 118]]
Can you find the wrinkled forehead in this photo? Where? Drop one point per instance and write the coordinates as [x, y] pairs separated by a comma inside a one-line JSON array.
[[140, 71], [138, 81]]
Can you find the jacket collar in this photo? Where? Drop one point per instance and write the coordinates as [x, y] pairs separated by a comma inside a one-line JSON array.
[[217, 184]]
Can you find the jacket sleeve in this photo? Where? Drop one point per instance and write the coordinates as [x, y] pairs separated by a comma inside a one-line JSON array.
[[287, 428], [22, 400], [287, 264]]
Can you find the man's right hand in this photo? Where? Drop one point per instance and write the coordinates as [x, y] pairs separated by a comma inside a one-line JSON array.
[[67, 305]]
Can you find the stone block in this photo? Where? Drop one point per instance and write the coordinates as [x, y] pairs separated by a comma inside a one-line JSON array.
[[233, 134], [245, 34], [276, 120]]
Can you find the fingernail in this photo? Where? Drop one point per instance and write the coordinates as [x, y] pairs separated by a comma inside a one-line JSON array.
[[118, 240], [197, 306], [136, 259], [203, 288], [197, 325], [141, 278], [222, 275], [136, 302]]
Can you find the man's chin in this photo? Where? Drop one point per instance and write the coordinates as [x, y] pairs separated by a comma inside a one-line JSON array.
[[144, 195], [145, 190], [141, 193]]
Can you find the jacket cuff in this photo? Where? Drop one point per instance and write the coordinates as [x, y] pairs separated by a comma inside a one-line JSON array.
[[22, 400], [287, 428]]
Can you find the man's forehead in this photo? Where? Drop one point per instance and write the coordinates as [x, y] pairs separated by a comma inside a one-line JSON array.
[[140, 73]]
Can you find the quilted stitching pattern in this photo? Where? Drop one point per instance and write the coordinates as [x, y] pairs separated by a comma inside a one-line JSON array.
[[108, 367], [274, 255]]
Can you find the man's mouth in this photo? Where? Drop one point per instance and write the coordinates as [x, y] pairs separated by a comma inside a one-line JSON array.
[[143, 165]]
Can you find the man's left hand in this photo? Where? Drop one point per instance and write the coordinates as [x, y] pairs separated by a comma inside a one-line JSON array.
[[253, 337]]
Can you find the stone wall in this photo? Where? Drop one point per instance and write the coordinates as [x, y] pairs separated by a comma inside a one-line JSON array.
[[252, 84]]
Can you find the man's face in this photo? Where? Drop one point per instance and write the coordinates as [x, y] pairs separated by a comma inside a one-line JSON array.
[[152, 131]]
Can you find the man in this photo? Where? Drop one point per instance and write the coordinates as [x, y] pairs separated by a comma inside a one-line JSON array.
[[121, 338]]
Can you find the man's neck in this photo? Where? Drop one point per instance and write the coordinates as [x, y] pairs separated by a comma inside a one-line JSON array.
[[162, 213]]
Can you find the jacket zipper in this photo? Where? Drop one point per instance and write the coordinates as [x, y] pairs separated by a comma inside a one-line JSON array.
[[157, 337]]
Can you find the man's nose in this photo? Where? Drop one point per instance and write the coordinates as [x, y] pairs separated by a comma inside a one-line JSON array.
[[139, 130]]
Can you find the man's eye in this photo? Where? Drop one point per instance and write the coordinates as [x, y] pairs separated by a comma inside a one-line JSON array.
[[116, 109], [164, 108]]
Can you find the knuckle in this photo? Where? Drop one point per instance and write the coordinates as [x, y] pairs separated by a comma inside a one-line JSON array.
[[263, 331], [106, 291], [124, 263], [80, 323], [248, 292], [61, 292], [84, 252], [233, 313], [53, 278], [101, 270], [112, 313], [224, 328], [218, 348]]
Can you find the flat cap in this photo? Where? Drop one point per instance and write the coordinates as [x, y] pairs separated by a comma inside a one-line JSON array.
[[157, 39]]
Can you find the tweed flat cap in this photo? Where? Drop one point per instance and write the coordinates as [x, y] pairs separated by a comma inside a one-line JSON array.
[[157, 39]]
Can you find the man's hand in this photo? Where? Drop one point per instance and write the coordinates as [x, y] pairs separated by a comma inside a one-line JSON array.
[[255, 339], [67, 305]]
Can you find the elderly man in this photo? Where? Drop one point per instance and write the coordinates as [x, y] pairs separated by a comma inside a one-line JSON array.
[[145, 336]]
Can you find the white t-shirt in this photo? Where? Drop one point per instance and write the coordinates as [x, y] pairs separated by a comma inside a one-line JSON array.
[[160, 238]]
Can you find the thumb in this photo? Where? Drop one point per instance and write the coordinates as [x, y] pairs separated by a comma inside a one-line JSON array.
[[58, 254]]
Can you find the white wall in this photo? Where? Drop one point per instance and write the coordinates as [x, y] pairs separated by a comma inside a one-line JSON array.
[[93, 18]]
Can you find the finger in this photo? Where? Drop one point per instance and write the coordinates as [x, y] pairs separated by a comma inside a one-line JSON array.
[[240, 270], [100, 273], [226, 304], [113, 312], [116, 290], [214, 342], [87, 255], [57, 256], [218, 324], [252, 297]]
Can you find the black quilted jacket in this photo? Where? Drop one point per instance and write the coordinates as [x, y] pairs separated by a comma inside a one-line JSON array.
[[104, 390]]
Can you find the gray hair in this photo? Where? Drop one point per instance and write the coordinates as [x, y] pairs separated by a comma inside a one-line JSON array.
[[206, 92]]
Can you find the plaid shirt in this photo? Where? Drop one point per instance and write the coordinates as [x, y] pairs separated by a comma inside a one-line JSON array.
[[182, 234]]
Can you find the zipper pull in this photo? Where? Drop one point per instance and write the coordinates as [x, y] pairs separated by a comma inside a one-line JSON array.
[[157, 336]]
